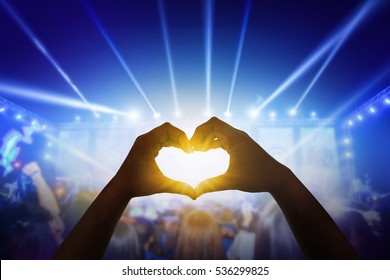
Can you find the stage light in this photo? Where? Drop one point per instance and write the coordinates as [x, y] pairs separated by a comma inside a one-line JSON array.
[[2, 110], [359, 117], [253, 113], [133, 115], [313, 115], [156, 115], [47, 156], [227, 114], [168, 53], [335, 42], [292, 112], [350, 122], [18, 116], [34, 122], [208, 113], [272, 115], [239, 51], [77, 118], [40, 46], [372, 110], [177, 114], [117, 54], [387, 101], [347, 141], [208, 42]]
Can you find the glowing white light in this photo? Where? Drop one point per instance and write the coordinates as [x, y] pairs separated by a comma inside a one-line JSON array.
[[272, 115], [44, 126], [348, 154], [77, 118], [133, 115], [350, 122], [177, 114], [114, 117], [156, 115], [192, 168], [18, 116], [387, 100], [49, 144], [292, 112], [253, 113], [227, 114], [47, 156], [97, 116], [313, 115], [34, 122], [372, 110], [208, 113], [2, 110], [347, 141], [360, 117]]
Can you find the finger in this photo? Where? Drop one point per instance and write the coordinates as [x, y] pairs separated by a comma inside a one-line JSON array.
[[219, 183], [208, 132], [177, 187], [168, 135]]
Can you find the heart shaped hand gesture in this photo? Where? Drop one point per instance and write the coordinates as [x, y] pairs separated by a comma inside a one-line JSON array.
[[139, 174], [251, 169]]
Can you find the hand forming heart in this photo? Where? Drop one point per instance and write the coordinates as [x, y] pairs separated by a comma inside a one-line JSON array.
[[250, 169]]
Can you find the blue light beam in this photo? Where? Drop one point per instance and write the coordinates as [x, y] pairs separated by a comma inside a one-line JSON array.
[[118, 55], [314, 57], [40, 46], [239, 52], [209, 7], [164, 27], [347, 31]]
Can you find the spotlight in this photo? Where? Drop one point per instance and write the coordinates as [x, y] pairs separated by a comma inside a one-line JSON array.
[[133, 115], [156, 115], [208, 113], [387, 101], [253, 113], [272, 115], [292, 112], [34, 122], [350, 122], [18, 116], [372, 110], [47, 156], [2, 110], [227, 114], [313, 115], [347, 141], [360, 117], [77, 118], [177, 114]]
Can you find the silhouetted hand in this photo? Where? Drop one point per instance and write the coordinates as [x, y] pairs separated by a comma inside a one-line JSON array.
[[139, 174], [251, 168]]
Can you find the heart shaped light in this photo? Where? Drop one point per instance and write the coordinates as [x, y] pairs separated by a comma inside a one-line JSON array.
[[192, 168]]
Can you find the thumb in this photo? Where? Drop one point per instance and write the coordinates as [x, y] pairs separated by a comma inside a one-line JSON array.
[[178, 187], [219, 183]]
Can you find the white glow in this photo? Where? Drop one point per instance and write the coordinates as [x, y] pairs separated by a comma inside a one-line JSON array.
[[227, 114], [292, 112], [2, 109], [208, 113], [133, 115], [350, 122], [253, 113], [156, 115], [77, 118], [372, 110], [177, 114], [387, 100], [18, 116], [192, 168], [360, 117], [347, 141], [272, 115], [313, 115]]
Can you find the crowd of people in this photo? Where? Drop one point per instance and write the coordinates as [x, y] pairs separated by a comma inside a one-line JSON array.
[[36, 217]]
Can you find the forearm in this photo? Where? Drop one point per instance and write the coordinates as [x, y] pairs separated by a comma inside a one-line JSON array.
[[91, 235], [315, 231], [45, 195]]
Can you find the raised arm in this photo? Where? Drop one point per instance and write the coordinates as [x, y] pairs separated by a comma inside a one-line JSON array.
[[138, 176], [252, 169]]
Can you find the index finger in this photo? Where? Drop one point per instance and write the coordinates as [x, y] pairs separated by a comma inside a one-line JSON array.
[[209, 135], [167, 135]]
